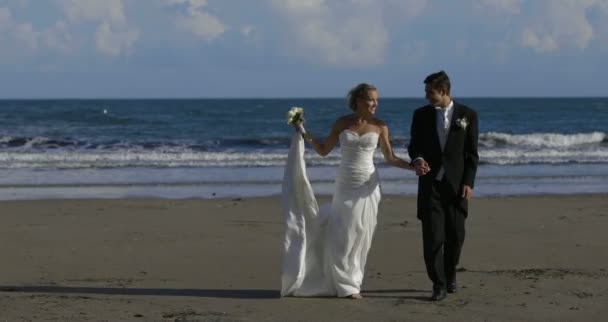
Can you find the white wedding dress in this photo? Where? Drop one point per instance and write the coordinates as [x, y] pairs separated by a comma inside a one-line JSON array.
[[325, 250]]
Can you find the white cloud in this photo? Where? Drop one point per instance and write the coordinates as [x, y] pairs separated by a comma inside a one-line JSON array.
[[5, 23], [58, 38], [5, 17], [192, 4], [544, 26], [247, 30], [500, 6], [349, 34], [345, 33], [25, 34], [561, 24], [200, 24], [114, 36], [408, 8], [302, 7], [196, 21], [94, 10], [16, 3], [538, 41], [114, 42]]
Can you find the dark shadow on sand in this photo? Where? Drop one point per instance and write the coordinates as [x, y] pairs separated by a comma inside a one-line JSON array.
[[214, 293], [395, 291], [397, 294]]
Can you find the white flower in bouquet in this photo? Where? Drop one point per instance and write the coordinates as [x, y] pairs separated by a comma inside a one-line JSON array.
[[295, 115]]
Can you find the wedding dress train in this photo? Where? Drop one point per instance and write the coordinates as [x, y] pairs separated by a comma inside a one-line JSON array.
[[325, 249]]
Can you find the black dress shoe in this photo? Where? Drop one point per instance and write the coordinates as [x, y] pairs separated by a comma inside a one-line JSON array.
[[452, 287], [439, 294]]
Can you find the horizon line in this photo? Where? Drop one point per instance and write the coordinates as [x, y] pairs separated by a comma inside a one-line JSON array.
[[277, 98]]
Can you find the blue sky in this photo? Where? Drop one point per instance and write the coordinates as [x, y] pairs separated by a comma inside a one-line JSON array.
[[300, 48]]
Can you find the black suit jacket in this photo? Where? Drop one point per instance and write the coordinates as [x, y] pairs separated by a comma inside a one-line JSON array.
[[459, 157]]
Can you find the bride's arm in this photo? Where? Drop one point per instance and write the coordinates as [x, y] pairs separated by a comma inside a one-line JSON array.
[[387, 150], [323, 148]]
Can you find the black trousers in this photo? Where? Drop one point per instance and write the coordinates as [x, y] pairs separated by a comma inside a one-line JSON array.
[[443, 234]]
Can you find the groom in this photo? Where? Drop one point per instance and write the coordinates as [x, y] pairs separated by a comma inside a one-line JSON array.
[[443, 149]]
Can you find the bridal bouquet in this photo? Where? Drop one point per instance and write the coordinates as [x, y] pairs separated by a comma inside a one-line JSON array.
[[295, 115]]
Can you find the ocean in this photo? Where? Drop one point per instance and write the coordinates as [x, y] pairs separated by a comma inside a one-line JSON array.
[[212, 148]]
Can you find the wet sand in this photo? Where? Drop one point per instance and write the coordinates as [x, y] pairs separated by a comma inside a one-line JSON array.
[[538, 258]]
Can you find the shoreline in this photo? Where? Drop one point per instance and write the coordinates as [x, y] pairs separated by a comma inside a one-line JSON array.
[[532, 258], [211, 183], [324, 196]]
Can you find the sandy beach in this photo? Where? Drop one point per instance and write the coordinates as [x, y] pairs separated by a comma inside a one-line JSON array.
[[534, 258]]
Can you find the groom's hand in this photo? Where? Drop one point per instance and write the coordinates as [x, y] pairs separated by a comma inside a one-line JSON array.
[[467, 192], [421, 167]]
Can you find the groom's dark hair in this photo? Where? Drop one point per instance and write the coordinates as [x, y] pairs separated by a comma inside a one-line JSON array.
[[439, 81]]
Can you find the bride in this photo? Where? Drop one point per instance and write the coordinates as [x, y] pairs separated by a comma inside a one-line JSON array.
[[325, 251]]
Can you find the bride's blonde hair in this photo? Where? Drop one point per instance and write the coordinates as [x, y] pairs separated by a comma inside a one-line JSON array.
[[360, 91]]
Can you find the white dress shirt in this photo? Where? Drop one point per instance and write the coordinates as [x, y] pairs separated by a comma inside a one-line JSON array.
[[444, 120]]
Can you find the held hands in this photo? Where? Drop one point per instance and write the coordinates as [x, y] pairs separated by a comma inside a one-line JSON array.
[[421, 167]]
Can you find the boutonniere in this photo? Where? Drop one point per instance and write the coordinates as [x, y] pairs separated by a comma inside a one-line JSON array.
[[462, 123]]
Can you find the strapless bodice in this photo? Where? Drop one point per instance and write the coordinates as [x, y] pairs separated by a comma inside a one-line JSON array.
[[357, 158]]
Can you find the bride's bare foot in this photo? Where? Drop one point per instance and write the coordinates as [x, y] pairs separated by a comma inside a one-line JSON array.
[[355, 296]]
